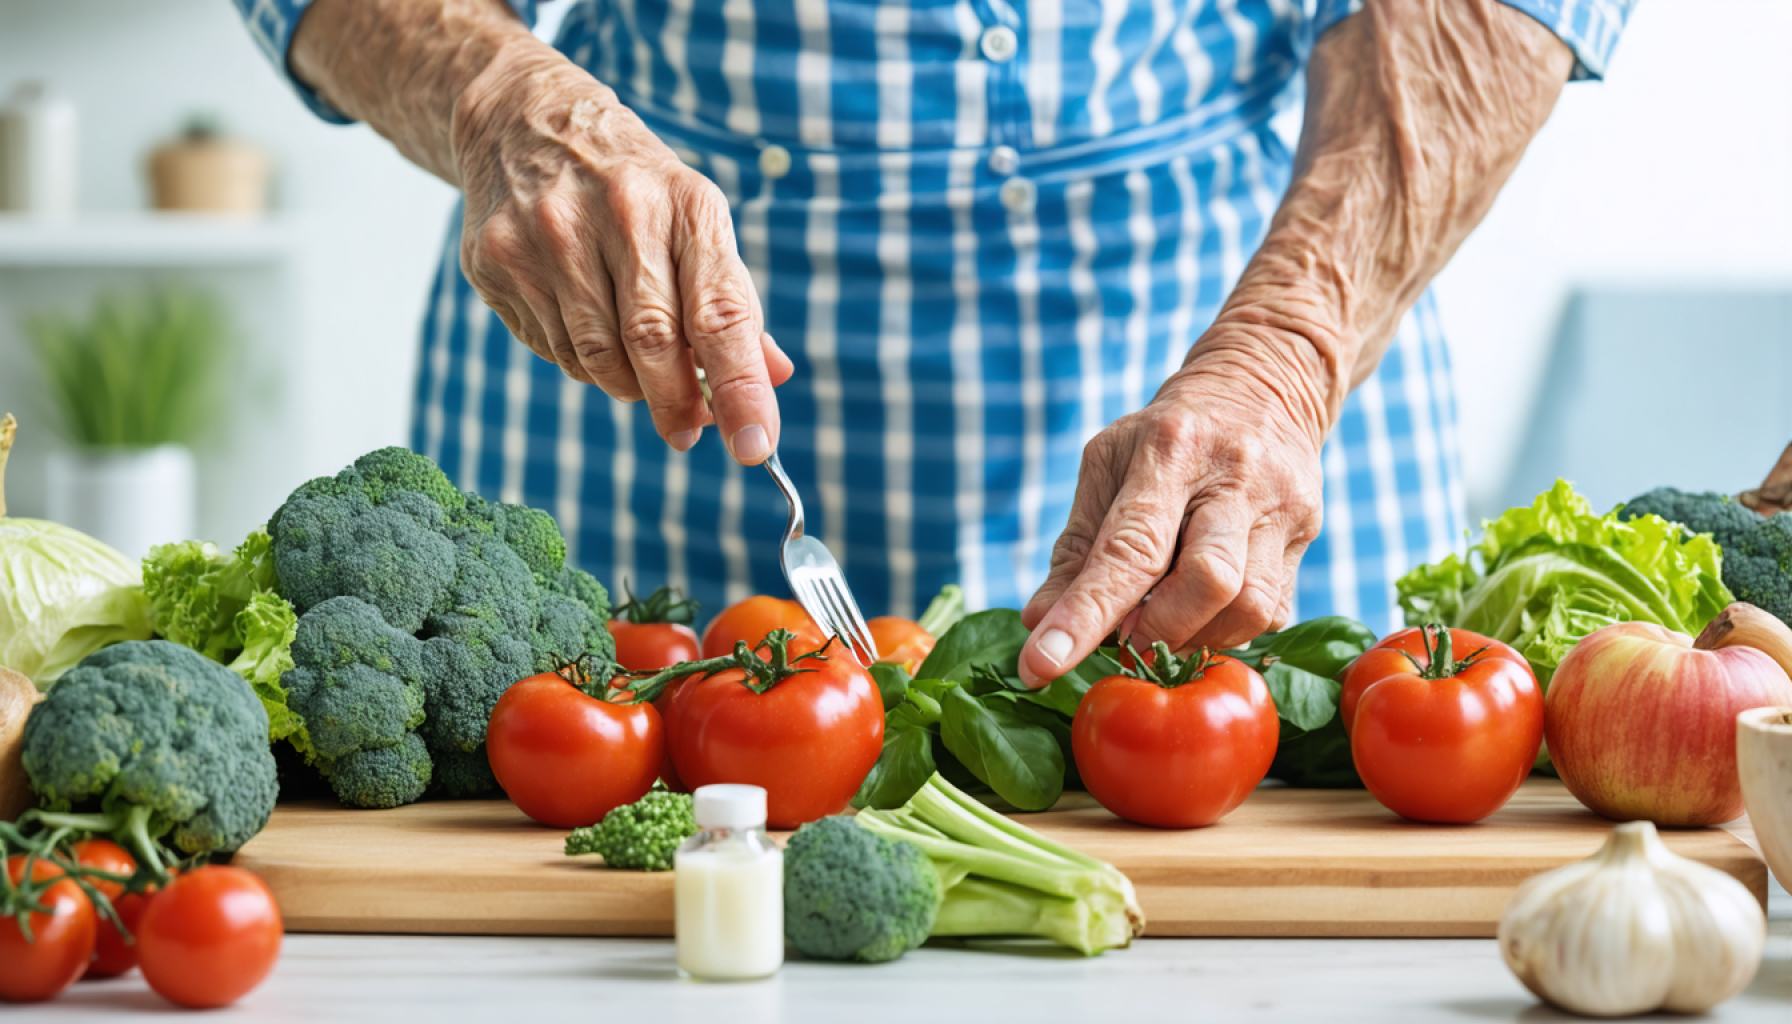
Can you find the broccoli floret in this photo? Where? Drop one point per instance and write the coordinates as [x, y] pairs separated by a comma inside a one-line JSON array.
[[463, 773], [383, 776], [156, 740], [641, 836], [387, 473], [534, 536], [851, 894], [358, 684], [1757, 563], [334, 543], [491, 582], [469, 665]]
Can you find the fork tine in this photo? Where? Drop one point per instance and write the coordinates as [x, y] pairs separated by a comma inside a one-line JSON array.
[[855, 621]]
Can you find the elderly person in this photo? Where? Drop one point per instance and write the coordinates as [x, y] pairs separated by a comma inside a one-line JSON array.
[[983, 272]]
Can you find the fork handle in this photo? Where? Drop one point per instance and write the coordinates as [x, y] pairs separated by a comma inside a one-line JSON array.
[[772, 466]]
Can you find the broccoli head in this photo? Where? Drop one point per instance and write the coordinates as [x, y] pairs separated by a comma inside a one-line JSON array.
[[156, 741], [641, 836], [1757, 562], [359, 685], [851, 894], [480, 590]]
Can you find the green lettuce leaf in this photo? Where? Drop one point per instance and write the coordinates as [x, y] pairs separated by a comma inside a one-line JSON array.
[[226, 608], [1545, 575]]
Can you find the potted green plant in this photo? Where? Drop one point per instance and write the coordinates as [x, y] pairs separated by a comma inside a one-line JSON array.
[[134, 385]]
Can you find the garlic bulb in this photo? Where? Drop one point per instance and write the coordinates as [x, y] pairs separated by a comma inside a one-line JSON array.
[[1631, 929]]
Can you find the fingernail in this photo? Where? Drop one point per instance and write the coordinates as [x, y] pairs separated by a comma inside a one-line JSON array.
[[1055, 644], [684, 440], [751, 444]]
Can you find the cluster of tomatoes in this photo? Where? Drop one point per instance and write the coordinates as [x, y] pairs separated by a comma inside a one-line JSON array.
[[205, 939], [803, 718], [1444, 725]]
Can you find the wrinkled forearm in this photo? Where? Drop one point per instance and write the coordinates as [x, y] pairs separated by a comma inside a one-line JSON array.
[[1417, 111], [403, 66]]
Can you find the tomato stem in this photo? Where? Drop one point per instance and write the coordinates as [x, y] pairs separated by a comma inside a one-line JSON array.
[[666, 604], [1439, 661], [757, 674], [1165, 668]]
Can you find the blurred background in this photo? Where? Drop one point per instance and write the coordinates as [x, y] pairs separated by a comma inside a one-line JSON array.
[[1623, 317]]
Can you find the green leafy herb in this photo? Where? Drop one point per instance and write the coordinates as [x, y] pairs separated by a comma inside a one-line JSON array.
[[1019, 759]]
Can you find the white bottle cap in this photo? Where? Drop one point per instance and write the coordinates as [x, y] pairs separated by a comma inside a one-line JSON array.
[[729, 806]]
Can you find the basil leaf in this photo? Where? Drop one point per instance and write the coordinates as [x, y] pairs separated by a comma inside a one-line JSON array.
[[904, 766], [1304, 701], [1324, 646], [992, 637], [1318, 759], [1020, 760], [892, 682]]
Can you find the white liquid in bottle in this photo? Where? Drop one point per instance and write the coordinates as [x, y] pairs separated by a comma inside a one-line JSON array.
[[728, 889]]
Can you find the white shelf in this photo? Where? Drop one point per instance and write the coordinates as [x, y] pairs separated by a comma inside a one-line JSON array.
[[142, 240]]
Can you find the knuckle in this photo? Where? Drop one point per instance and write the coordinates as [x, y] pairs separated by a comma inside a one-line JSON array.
[[723, 315], [1215, 572], [602, 360], [558, 221], [1172, 434], [1257, 607], [743, 389], [1136, 545], [497, 242], [652, 333]]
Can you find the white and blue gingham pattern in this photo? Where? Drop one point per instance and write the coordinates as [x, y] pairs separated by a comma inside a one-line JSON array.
[[983, 230]]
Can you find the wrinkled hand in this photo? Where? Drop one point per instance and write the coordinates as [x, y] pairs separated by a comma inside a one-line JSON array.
[[1204, 500], [605, 254]]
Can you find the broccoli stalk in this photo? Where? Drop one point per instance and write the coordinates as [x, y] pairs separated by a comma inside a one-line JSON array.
[[1003, 879], [944, 611]]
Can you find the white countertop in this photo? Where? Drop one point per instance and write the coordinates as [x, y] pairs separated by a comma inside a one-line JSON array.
[[349, 978]]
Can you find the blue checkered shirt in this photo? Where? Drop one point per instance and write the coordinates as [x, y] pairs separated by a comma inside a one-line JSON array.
[[983, 229]]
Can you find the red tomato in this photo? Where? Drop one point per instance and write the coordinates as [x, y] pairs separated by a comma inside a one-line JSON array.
[[750, 620], [900, 641], [1176, 754], [113, 952], [651, 646], [1437, 739], [566, 758], [809, 739], [210, 937], [61, 943]]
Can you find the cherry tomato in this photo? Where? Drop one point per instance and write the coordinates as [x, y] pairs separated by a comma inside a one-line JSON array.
[[113, 952], [751, 619], [210, 937], [1439, 739], [1180, 748], [900, 641], [566, 758], [809, 739], [650, 646], [35, 969]]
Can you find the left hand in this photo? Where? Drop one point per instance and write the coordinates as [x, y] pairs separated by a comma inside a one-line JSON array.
[[1203, 501]]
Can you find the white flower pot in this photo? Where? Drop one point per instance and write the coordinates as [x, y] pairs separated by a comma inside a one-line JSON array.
[[131, 499]]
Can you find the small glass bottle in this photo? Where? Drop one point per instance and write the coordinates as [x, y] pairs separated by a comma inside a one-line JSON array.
[[728, 889]]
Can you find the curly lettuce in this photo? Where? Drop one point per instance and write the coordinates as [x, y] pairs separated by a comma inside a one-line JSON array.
[[226, 608], [1545, 575]]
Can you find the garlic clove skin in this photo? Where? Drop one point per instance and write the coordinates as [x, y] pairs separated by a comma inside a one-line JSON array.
[[1632, 929]]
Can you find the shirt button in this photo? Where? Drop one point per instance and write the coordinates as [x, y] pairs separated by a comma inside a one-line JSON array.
[[774, 162], [999, 43], [1004, 160], [1017, 195]]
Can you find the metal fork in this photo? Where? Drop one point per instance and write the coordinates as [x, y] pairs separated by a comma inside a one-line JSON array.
[[815, 578], [812, 571]]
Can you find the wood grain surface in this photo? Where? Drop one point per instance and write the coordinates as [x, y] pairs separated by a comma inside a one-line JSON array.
[[1288, 862]]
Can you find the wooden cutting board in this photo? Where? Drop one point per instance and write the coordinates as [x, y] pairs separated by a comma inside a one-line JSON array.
[[1288, 862]]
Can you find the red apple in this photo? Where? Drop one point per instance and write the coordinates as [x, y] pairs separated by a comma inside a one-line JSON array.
[[1641, 724]]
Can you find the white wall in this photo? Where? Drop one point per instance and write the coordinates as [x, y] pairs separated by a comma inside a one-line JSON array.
[[1677, 169], [370, 225]]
